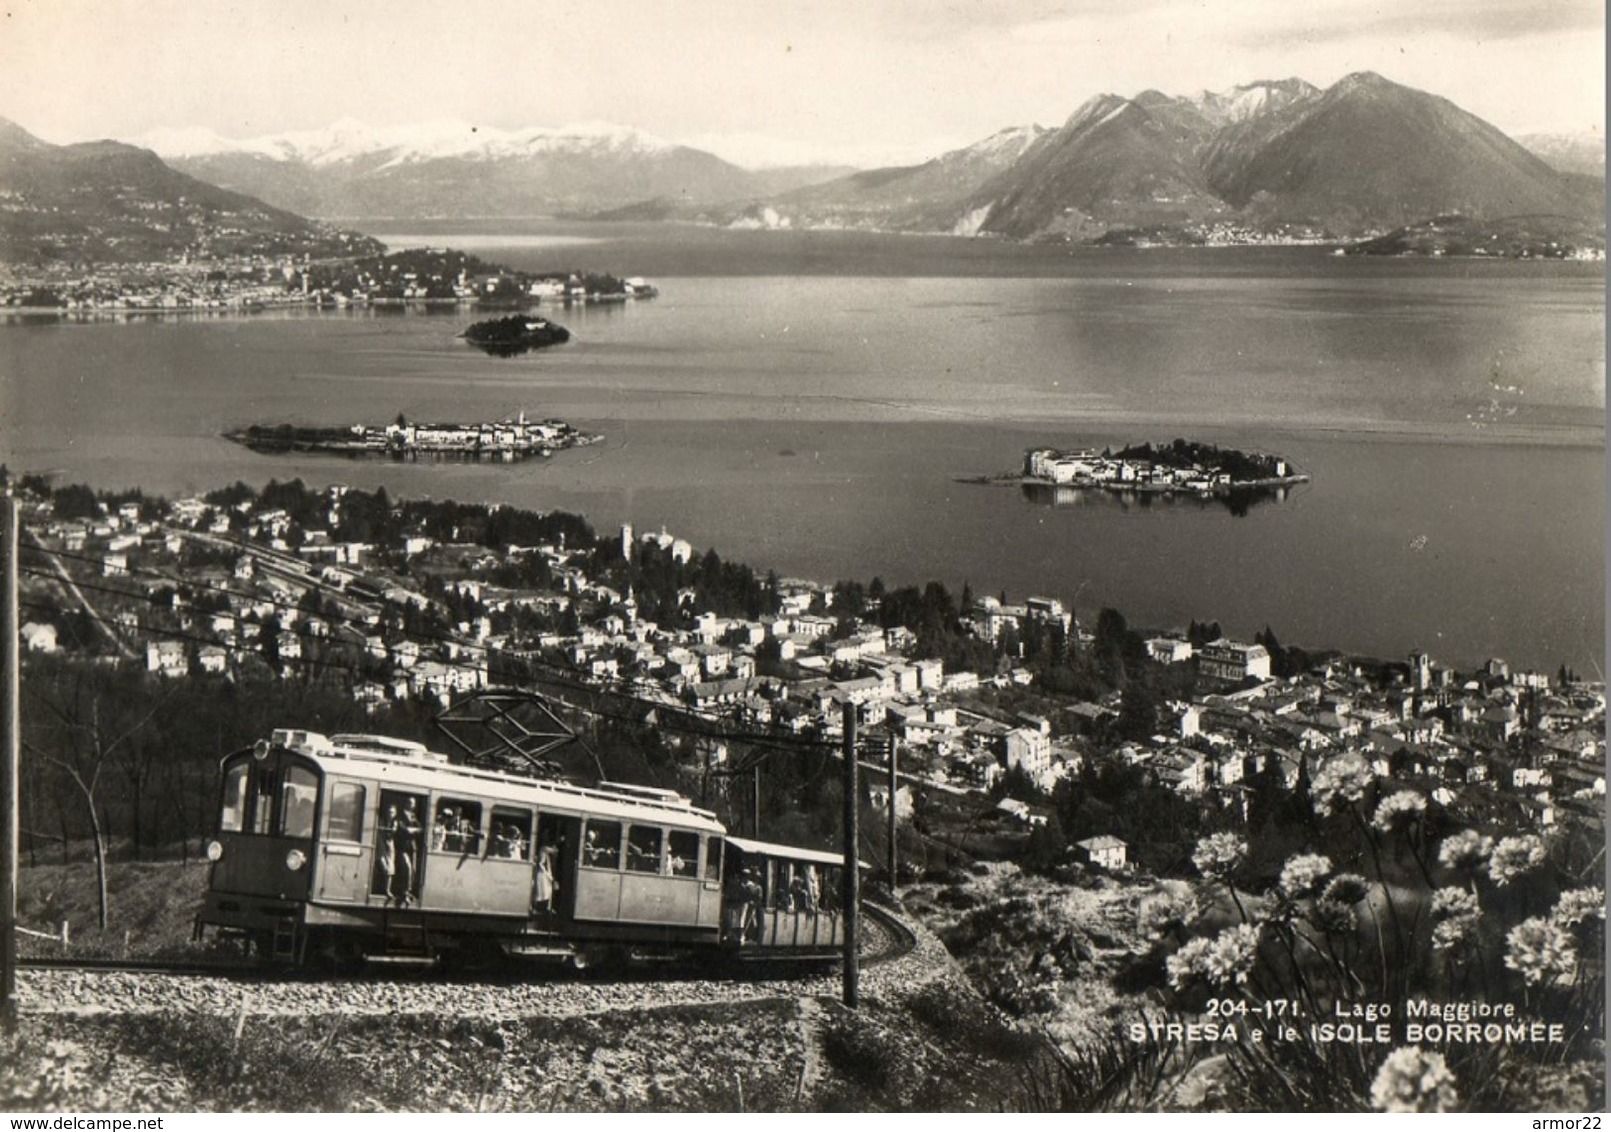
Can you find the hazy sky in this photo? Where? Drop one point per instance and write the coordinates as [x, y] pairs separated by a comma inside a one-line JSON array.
[[861, 81]]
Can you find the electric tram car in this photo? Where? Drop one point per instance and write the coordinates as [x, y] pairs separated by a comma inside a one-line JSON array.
[[348, 847]]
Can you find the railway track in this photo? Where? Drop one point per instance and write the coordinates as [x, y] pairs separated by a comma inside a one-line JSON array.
[[885, 938]]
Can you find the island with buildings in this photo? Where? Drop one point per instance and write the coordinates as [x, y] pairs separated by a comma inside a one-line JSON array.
[[509, 440], [1181, 466], [1182, 470]]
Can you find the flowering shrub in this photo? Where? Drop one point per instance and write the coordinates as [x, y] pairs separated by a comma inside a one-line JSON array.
[[1347, 889], [1541, 951], [1514, 856], [1219, 854], [1340, 783], [1398, 810], [1454, 917], [1303, 874], [1224, 961], [1579, 906], [1187, 963], [1412, 1080], [1467, 850]]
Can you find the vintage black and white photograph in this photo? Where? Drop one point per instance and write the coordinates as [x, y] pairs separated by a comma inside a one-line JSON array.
[[699, 556]]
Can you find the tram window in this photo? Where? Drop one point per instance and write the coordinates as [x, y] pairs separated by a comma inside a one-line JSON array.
[[713, 858], [346, 812], [262, 809], [601, 848], [233, 819], [682, 855], [297, 792], [510, 834], [643, 849], [457, 828]]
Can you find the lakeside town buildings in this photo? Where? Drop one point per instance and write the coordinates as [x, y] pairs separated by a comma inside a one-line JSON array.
[[243, 590]]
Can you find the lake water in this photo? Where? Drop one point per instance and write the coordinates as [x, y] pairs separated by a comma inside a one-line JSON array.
[[807, 402]]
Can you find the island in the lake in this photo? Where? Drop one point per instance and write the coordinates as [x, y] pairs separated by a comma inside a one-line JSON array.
[[510, 440], [515, 334], [1182, 469]]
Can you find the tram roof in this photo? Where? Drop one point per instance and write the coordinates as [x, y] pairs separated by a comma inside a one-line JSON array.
[[412, 765], [791, 852]]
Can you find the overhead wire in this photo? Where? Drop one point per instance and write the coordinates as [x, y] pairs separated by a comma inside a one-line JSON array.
[[699, 724]]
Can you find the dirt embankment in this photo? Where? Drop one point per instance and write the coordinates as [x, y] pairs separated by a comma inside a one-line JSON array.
[[923, 1039]]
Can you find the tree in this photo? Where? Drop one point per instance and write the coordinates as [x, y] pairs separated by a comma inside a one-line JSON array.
[[83, 732], [1278, 655], [1048, 845], [1140, 710]]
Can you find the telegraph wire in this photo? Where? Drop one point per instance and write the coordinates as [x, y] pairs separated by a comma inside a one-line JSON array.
[[553, 674], [698, 724]]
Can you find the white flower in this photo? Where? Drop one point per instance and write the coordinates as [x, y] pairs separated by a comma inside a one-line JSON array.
[[1302, 874], [1454, 916], [1347, 889], [1187, 963], [1412, 1080], [1467, 850], [1230, 960], [1226, 960], [1514, 856], [1340, 782], [1398, 810], [1579, 905], [1218, 855], [1541, 951]]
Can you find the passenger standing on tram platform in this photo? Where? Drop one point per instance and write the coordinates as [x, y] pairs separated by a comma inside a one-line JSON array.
[[408, 853], [386, 854], [547, 888]]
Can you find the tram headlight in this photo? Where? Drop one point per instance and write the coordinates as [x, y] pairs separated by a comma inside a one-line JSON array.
[[215, 850], [295, 859], [260, 749]]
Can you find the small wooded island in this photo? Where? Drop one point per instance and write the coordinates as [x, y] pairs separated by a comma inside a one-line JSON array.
[[515, 334]]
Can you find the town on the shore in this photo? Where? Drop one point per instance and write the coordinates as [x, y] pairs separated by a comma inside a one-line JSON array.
[[421, 602], [246, 283]]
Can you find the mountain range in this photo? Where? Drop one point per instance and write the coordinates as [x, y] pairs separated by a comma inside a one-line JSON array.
[[106, 202], [454, 169], [1268, 157], [1282, 159]]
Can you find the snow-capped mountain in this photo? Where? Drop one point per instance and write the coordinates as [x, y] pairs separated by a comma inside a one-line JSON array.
[[453, 168], [106, 202], [349, 140], [1251, 100]]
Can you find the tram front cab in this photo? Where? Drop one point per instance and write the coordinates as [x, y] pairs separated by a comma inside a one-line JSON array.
[[262, 857]]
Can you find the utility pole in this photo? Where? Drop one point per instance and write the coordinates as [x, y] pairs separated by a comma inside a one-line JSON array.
[[852, 885], [755, 805], [893, 743], [10, 760]]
